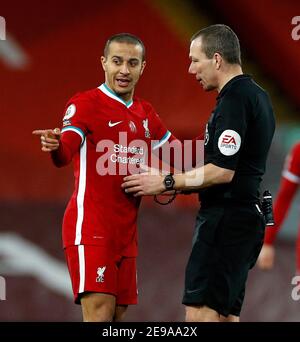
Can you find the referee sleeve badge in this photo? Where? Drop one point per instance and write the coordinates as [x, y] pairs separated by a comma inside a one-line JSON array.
[[229, 142]]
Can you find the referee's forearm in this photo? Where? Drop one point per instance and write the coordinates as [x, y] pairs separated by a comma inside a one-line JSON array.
[[202, 177], [190, 180]]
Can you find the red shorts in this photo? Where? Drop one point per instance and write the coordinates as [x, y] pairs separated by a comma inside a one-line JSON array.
[[94, 269]]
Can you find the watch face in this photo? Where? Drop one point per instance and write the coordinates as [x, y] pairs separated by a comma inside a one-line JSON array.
[[169, 182]]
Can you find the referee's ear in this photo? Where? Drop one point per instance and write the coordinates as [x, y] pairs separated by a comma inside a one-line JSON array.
[[217, 60]]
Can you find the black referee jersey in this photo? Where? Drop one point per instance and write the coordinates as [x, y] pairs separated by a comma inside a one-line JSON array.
[[238, 137]]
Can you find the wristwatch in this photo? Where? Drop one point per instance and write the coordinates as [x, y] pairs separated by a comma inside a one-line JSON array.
[[169, 182]]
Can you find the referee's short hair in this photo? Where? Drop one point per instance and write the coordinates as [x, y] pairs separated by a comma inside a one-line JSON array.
[[221, 39], [125, 38]]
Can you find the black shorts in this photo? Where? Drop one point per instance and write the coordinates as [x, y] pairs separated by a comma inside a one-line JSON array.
[[226, 244]]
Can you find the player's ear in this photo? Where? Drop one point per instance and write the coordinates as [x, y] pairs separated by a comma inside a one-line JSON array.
[[103, 61], [143, 67]]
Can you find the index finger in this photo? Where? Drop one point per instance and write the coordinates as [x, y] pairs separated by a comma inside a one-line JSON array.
[[39, 131]]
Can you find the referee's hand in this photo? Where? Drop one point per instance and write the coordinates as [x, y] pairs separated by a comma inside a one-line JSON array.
[[266, 257], [49, 138]]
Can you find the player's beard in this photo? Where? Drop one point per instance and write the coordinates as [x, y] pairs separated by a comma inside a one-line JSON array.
[[126, 92]]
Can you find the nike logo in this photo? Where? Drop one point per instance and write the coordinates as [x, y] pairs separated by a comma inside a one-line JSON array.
[[112, 124]]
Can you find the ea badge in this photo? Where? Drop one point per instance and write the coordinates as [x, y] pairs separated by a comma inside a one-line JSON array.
[[229, 142], [71, 110]]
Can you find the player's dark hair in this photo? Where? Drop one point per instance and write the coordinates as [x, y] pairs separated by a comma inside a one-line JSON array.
[[221, 39], [125, 38]]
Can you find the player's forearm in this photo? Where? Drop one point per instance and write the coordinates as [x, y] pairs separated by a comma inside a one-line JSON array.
[[69, 144], [62, 156], [203, 177]]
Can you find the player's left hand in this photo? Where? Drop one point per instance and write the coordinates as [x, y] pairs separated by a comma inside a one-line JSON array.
[[144, 184]]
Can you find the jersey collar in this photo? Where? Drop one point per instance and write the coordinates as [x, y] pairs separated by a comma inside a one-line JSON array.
[[231, 82], [110, 93]]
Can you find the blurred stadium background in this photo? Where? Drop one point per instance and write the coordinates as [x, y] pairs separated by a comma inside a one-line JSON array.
[[52, 51]]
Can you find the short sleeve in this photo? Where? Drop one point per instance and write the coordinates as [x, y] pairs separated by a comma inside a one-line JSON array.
[[229, 132]]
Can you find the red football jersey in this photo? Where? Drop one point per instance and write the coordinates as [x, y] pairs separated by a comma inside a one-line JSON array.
[[102, 133], [288, 187]]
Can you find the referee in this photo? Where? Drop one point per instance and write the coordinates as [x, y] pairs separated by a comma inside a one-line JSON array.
[[230, 226]]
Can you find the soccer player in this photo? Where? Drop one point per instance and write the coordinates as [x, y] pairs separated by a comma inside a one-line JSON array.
[[230, 226], [105, 131], [288, 187]]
